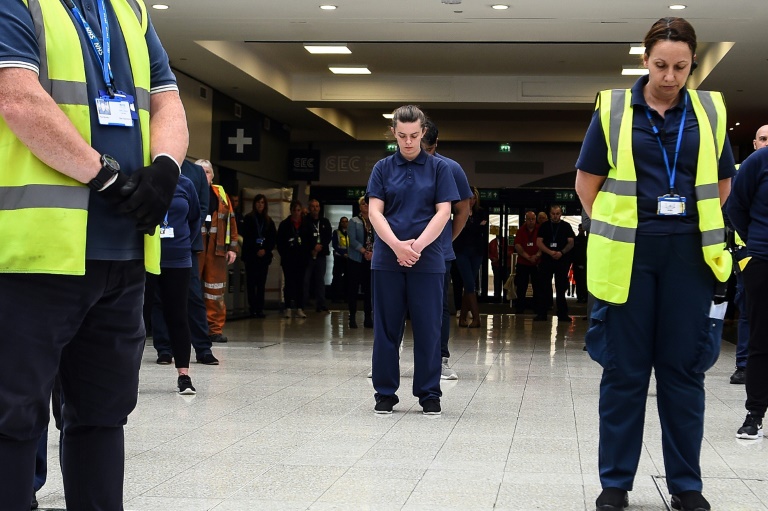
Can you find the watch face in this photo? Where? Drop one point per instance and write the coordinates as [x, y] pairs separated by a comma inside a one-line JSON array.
[[110, 162]]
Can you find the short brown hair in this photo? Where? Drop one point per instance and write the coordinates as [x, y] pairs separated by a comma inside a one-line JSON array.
[[670, 29]]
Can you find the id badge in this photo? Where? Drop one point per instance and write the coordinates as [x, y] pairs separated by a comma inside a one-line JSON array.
[[529, 244], [259, 241], [166, 232], [553, 245], [671, 205], [114, 111]]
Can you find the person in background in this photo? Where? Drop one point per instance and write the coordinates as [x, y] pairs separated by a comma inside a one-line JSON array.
[[340, 244], [451, 231], [359, 265], [528, 259], [220, 250], [554, 239], [656, 250], [294, 257], [316, 230], [541, 218], [410, 195], [747, 211], [259, 239], [470, 250], [178, 230], [579, 264], [500, 272], [196, 313], [82, 199]]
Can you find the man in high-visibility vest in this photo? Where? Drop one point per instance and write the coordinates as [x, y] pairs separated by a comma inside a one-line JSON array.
[[92, 129], [219, 250]]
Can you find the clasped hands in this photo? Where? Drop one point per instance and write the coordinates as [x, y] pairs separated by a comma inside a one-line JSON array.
[[146, 195], [406, 254]]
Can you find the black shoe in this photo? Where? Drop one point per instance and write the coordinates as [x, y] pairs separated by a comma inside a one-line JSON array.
[[185, 385], [34, 501], [164, 359], [612, 499], [208, 359], [584, 348], [218, 338], [690, 501], [540, 317], [385, 404], [739, 376], [752, 428], [431, 407], [564, 318], [368, 323], [352, 323]]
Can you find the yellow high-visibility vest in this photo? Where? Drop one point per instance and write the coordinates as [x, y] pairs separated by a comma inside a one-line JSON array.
[[43, 213], [611, 246]]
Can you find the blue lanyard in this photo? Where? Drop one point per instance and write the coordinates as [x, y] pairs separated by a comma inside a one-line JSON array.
[[670, 172], [103, 52]]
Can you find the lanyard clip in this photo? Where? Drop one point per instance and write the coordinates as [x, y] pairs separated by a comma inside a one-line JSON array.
[[70, 4]]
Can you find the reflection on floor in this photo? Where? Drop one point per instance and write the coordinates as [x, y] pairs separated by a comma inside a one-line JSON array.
[[286, 422]]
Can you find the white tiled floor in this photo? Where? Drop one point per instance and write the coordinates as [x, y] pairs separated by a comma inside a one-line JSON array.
[[286, 422]]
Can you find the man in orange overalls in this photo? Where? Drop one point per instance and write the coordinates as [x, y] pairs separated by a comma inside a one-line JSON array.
[[219, 232]]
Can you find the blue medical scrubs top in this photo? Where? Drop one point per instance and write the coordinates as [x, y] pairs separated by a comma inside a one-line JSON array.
[[652, 178], [184, 217], [465, 192], [110, 236], [747, 205], [410, 190]]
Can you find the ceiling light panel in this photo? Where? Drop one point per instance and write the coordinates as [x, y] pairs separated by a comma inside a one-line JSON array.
[[327, 49], [349, 70]]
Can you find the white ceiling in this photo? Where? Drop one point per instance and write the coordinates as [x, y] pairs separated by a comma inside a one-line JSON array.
[[529, 73]]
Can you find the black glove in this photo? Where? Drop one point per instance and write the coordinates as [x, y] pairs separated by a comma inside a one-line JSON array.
[[112, 192], [147, 194]]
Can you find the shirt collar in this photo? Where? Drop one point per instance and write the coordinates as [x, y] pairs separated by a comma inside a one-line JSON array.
[[639, 100], [420, 159]]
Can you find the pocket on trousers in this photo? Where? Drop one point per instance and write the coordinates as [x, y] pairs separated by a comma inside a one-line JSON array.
[[598, 343], [709, 346]]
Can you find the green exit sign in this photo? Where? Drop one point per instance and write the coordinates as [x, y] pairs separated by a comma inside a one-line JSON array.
[[567, 195], [392, 147], [505, 148]]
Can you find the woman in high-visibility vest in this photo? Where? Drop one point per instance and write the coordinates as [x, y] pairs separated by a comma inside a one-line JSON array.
[[653, 173]]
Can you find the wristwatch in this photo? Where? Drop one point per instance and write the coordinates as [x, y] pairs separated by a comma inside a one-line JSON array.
[[109, 169]]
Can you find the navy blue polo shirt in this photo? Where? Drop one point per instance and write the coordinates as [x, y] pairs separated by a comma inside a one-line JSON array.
[[652, 177], [410, 190], [747, 205], [111, 236], [465, 192], [184, 218]]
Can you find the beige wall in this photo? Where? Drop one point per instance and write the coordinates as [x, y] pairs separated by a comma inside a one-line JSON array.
[[199, 115]]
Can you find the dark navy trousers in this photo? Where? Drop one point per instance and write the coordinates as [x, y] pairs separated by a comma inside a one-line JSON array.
[[421, 295], [198, 319], [664, 326], [445, 328], [90, 330]]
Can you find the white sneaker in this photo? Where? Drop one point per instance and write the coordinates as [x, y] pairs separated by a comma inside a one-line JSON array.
[[370, 373], [446, 373], [300, 313], [287, 313]]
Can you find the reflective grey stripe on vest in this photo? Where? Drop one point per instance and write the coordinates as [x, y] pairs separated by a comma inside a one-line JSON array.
[[617, 113], [713, 237], [613, 232], [69, 93], [37, 18], [43, 196], [708, 104], [136, 9], [710, 191], [142, 99], [628, 188]]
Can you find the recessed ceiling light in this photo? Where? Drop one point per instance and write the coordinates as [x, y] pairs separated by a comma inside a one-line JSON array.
[[636, 49], [677, 7], [328, 49], [328, 7], [358, 69], [388, 116], [160, 7], [500, 7], [633, 71]]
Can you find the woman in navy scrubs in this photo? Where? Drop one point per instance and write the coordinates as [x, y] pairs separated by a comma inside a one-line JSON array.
[[410, 195], [654, 198]]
